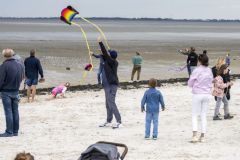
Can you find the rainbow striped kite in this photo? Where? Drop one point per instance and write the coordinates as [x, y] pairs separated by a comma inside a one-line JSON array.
[[68, 14]]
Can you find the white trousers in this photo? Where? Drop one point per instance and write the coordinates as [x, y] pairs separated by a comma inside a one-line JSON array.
[[199, 108]]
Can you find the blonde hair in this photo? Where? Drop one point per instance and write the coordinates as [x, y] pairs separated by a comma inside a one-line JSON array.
[[220, 62], [7, 53], [24, 156]]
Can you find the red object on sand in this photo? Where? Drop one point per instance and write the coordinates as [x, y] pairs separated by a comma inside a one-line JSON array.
[[88, 67]]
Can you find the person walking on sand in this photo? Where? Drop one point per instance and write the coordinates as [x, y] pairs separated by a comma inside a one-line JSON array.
[[192, 59], [33, 68], [100, 69], [152, 98], [137, 65], [228, 59], [110, 85], [201, 83], [12, 74], [220, 90]]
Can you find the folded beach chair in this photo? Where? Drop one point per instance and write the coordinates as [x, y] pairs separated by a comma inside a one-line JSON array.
[[104, 151]]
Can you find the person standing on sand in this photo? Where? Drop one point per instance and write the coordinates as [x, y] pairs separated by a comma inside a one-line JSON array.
[[137, 65], [152, 98], [33, 67], [186, 52], [100, 69], [220, 91], [110, 84], [201, 83], [192, 59], [12, 74]]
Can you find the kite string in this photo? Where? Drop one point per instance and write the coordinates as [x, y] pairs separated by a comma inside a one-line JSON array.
[[99, 29]]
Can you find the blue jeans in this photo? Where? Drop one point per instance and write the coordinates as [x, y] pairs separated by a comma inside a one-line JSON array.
[[10, 105], [192, 69], [149, 118]]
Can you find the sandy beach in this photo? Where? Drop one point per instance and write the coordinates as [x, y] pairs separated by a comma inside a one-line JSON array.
[[63, 128]]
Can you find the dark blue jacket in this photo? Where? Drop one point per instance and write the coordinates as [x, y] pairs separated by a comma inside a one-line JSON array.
[[33, 67], [11, 75], [110, 66]]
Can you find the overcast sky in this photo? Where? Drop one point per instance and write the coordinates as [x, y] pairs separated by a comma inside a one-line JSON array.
[[179, 9]]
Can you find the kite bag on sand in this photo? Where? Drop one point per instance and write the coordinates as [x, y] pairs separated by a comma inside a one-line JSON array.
[[104, 151]]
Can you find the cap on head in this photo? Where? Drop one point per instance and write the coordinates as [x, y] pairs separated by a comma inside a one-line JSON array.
[[7, 53], [113, 54]]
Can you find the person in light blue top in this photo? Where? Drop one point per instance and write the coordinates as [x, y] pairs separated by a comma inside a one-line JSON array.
[[152, 99], [137, 65]]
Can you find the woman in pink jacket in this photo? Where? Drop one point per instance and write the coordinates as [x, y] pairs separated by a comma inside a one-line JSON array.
[[201, 83], [218, 91]]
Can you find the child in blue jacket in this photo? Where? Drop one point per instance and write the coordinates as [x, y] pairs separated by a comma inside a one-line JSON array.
[[152, 98]]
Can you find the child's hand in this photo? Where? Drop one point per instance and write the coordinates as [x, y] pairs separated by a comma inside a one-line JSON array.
[[143, 109], [163, 108]]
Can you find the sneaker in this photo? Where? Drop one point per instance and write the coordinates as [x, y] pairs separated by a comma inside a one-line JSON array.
[[154, 137], [216, 118], [194, 139], [106, 124], [117, 125], [130, 81], [6, 135], [147, 138], [201, 139], [228, 116]]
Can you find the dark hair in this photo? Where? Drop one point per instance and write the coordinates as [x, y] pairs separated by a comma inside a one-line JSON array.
[[152, 83], [203, 59], [32, 52], [24, 156], [138, 53], [221, 69], [192, 49], [204, 51]]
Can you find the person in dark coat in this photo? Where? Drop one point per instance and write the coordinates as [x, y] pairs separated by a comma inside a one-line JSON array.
[[192, 59], [110, 84], [12, 74], [33, 68]]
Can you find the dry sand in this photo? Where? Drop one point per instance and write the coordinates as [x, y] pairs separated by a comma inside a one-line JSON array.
[[63, 128]]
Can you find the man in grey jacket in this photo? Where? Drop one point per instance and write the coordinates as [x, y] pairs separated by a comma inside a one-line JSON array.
[[12, 74]]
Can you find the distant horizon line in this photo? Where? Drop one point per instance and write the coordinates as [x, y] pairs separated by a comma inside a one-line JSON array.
[[143, 18]]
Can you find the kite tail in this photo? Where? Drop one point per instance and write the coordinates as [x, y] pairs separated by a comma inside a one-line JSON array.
[[89, 51], [85, 37], [99, 29], [83, 77]]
